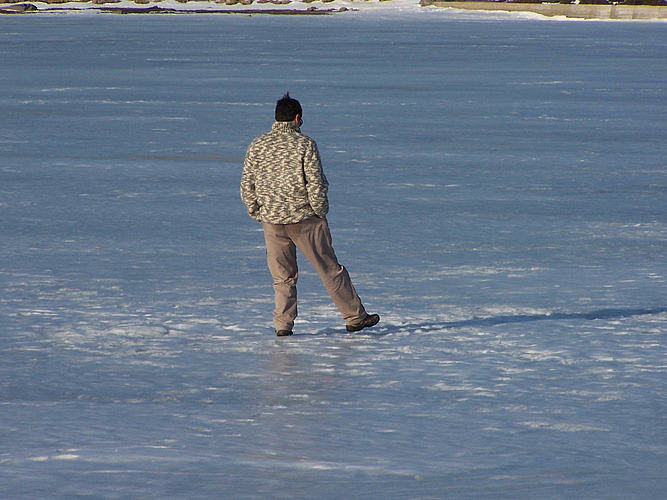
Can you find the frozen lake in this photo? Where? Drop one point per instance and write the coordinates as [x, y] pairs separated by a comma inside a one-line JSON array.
[[498, 194]]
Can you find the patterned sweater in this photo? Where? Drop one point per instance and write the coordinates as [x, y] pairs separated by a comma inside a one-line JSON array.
[[283, 181]]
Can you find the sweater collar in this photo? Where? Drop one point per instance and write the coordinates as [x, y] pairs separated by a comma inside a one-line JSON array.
[[285, 127]]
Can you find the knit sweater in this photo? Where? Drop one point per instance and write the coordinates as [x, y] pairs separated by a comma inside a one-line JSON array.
[[283, 181]]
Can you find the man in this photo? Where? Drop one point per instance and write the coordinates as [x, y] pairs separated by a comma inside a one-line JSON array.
[[284, 188]]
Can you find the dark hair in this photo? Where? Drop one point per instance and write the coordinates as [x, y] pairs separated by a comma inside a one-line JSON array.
[[287, 109]]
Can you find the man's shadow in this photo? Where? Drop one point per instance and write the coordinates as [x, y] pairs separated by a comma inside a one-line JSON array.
[[603, 314]]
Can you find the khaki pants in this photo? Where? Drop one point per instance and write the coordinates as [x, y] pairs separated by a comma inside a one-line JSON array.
[[313, 238]]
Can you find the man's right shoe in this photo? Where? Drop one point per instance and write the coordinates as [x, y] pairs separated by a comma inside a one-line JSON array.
[[368, 321], [283, 333]]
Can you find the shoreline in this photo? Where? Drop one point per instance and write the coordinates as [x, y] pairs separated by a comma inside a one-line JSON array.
[[572, 11], [244, 7], [162, 10], [329, 7]]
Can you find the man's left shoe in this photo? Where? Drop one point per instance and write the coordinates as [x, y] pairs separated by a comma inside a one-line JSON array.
[[368, 321], [283, 333]]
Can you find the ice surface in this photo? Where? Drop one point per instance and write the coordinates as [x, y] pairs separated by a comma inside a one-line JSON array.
[[498, 194]]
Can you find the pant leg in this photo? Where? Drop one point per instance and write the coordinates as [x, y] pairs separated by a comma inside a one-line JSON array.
[[313, 238], [281, 259]]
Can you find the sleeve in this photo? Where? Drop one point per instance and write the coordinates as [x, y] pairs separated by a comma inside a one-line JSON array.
[[248, 194], [316, 182]]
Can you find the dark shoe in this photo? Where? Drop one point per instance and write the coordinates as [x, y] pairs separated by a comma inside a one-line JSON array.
[[368, 321], [283, 333]]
